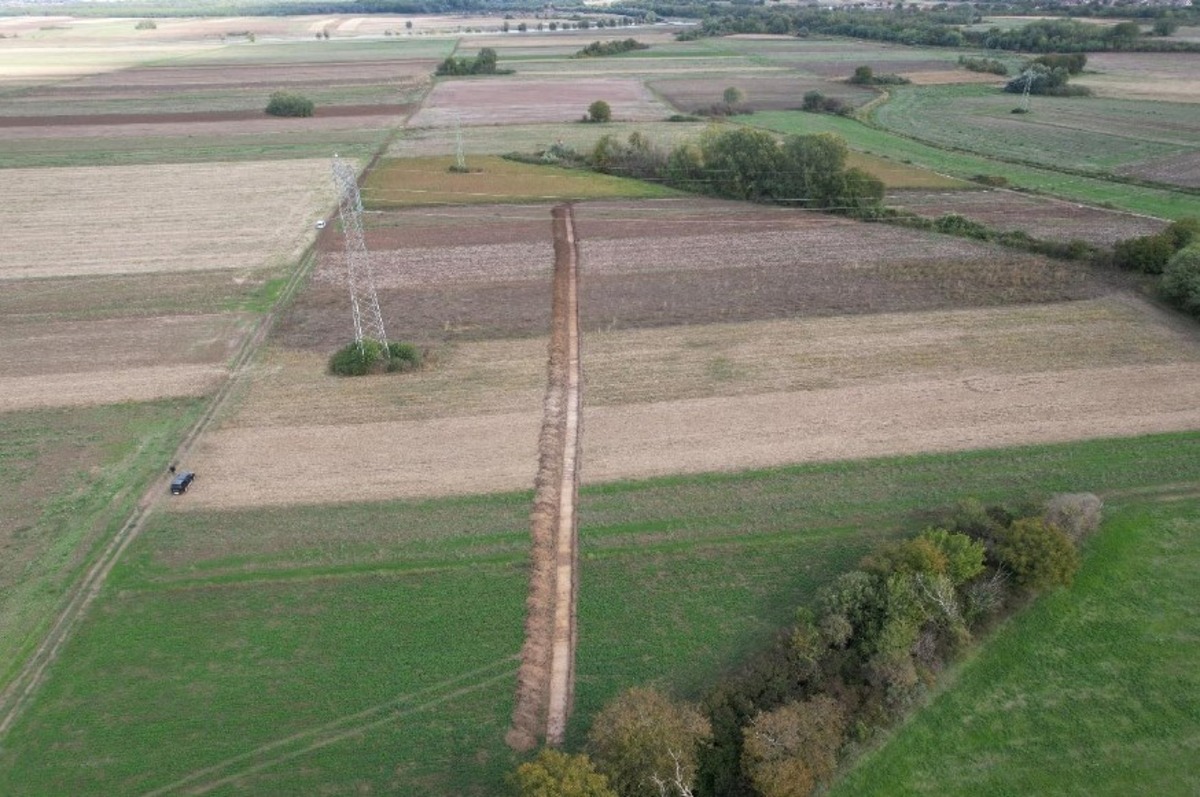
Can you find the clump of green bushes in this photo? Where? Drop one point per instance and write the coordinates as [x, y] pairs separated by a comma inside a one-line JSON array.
[[372, 357], [816, 102], [990, 66], [616, 47], [1048, 75], [864, 655], [482, 64], [284, 103], [1150, 254], [865, 76], [1180, 283]]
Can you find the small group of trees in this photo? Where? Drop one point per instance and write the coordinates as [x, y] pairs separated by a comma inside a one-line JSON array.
[[599, 112], [286, 103], [482, 64], [1150, 254], [742, 163], [816, 102], [865, 76], [616, 47], [875, 642]]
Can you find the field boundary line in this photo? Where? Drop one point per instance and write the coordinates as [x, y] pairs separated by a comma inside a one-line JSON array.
[[335, 724], [17, 695]]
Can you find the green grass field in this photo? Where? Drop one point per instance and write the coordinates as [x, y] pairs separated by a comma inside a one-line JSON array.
[[1138, 199], [1082, 133], [69, 477], [1095, 691], [312, 649]]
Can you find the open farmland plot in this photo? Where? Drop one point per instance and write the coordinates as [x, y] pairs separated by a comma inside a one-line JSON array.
[[422, 142], [837, 58], [1014, 374], [136, 219], [369, 646], [1040, 217], [430, 181], [516, 100], [1169, 77], [762, 91], [1076, 132]]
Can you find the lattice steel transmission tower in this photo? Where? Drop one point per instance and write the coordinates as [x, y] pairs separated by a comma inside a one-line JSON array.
[[364, 302]]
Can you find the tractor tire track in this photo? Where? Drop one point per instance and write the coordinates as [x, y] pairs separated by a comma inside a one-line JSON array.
[[215, 775]]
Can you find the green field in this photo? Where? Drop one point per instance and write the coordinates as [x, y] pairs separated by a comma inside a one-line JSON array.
[[313, 648], [1095, 691], [1138, 199], [1082, 133], [68, 479]]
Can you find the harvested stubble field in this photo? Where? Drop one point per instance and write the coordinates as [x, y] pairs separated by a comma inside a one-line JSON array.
[[137, 219], [852, 383], [1040, 217], [405, 182], [519, 100], [59, 363], [1169, 77], [837, 58], [424, 142]]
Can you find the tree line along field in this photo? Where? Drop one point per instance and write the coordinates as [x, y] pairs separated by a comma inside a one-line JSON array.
[[335, 632]]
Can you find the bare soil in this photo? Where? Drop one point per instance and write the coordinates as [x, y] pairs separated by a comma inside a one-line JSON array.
[[1177, 170], [1016, 374], [652, 264], [1040, 217], [516, 100], [762, 92]]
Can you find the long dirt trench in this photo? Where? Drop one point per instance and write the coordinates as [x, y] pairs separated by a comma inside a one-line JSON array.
[[546, 679]]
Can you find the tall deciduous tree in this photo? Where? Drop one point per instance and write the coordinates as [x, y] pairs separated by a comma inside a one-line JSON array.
[[789, 751], [648, 744]]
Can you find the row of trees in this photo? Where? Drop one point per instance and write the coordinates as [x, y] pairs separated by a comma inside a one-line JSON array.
[[874, 643], [941, 28], [742, 163]]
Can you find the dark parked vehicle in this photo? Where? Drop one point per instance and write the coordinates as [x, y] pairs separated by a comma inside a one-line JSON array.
[[181, 481]]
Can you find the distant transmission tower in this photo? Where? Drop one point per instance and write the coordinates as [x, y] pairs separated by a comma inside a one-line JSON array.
[[460, 159], [1025, 93], [364, 303]]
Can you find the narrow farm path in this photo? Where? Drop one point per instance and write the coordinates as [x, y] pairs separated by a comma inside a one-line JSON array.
[[546, 680]]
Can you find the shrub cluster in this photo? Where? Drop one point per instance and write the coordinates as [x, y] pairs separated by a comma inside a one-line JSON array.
[[482, 64], [954, 224], [804, 171], [1150, 254], [284, 103], [371, 357], [816, 102], [615, 47], [1046, 80], [989, 66], [865, 76], [1181, 280]]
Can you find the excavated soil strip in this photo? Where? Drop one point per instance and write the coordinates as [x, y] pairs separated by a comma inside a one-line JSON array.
[[546, 680]]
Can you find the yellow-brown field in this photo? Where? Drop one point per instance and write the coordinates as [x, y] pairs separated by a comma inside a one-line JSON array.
[[156, 218]]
